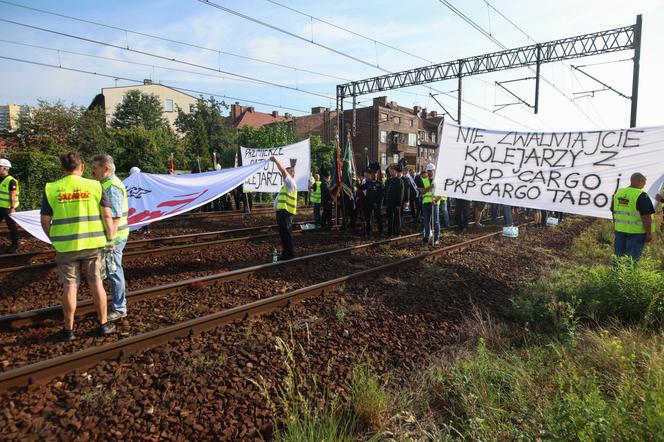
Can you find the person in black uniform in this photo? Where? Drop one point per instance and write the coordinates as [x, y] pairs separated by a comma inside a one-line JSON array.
[[373, 191], [393, 201], [461, 214], [326, 200]]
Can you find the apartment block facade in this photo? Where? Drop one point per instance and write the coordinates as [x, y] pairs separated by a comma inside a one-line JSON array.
[[384, 132]]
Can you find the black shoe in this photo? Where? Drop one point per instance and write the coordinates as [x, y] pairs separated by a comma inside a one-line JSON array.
[[106, 329], [65, 335]]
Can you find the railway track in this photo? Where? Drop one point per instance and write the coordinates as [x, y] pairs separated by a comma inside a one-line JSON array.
[[47, 369], [150, 243], [203, 216]]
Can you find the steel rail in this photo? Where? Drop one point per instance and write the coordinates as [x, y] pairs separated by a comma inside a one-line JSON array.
[[202, 215], [134, 244], [157, 251], [43, 371], [15, 320]]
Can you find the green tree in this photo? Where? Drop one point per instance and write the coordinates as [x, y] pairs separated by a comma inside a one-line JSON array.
[[33, 168], [148, 149], [278, 134], [206, 131], [49, 128], [139, 109], [321, 155]]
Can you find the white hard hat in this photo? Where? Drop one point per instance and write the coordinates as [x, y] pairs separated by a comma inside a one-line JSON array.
[[5, 163], [134, 170], [430, 167]]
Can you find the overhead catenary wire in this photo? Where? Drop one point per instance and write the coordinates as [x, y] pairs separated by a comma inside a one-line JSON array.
[[163, 57], [468, 20], [336, 51], [350, 31], [127, 31], [179, 42], [118, 60], [100, 74]]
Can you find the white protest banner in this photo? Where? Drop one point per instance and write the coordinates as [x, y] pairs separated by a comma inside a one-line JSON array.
[[155, 197], [269, 179], [573, 172]]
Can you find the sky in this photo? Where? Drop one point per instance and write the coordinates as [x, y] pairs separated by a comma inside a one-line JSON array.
[[427, 31]]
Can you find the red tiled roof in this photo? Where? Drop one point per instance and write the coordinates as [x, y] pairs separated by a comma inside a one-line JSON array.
[[256, 119]]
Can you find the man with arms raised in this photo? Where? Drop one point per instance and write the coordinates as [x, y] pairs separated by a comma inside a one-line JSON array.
[[285, 206]]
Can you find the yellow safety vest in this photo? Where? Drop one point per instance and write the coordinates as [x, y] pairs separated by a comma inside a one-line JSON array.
[[626, 218], [76, 222], [315, 194], [4, 192], [287, 200], [123, 226]]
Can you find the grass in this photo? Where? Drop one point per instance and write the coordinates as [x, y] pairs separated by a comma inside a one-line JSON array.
[[603, 385], [578, 355]]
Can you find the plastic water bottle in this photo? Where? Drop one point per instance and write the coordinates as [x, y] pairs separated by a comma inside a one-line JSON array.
[[275, 257], [111, 268]]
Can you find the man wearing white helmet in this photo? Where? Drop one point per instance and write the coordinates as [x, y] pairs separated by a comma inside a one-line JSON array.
[[430, 206], [9, 193]]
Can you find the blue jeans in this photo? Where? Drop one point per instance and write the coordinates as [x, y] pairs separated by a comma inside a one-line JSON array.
[[427, 212], [630, 244], [495, 211], [507, 214], [117, 281], [444, 210]]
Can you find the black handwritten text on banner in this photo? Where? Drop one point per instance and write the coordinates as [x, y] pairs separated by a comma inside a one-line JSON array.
[[574, 172], [269, 179]]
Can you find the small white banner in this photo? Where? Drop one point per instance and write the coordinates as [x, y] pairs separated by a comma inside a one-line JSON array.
[[269, 179], [155, 197], [573, 172]]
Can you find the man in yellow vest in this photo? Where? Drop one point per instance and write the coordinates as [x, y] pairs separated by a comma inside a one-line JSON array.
[[315, 198], [76, 216], [9, 193], [285, 205], [429, 206], [103, 169], [632, 218]]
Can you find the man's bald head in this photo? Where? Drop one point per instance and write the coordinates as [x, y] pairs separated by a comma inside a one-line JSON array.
[[637, 180]]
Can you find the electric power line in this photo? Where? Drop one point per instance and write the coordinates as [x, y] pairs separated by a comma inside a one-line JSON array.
[[179, 42], [336, 51], [99, 74], [137, 63], [163, 57], [468, 20], [350, 31]]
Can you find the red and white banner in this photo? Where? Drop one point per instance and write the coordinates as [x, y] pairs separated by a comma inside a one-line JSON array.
[[156, 197]]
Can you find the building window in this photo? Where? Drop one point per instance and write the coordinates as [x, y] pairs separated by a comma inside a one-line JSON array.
[[412, 139], [383, 117], [192, 108], [383, 136], [396, 120], [168, 106], [395, 158], [410, 123], [383, 158]]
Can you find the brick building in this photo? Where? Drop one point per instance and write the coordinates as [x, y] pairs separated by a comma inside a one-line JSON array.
[[387, 131], [241, 116]]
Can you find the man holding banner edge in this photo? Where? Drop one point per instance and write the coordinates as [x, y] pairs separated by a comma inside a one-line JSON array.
[[285, 206], [632, 218]]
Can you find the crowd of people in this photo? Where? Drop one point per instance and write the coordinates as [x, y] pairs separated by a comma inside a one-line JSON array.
[[86, 219]]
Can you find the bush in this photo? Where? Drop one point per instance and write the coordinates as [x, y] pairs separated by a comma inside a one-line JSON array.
[[599, 386], [33, 169]]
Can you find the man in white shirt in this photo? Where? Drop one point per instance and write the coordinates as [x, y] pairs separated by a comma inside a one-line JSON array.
[[285, 206]]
